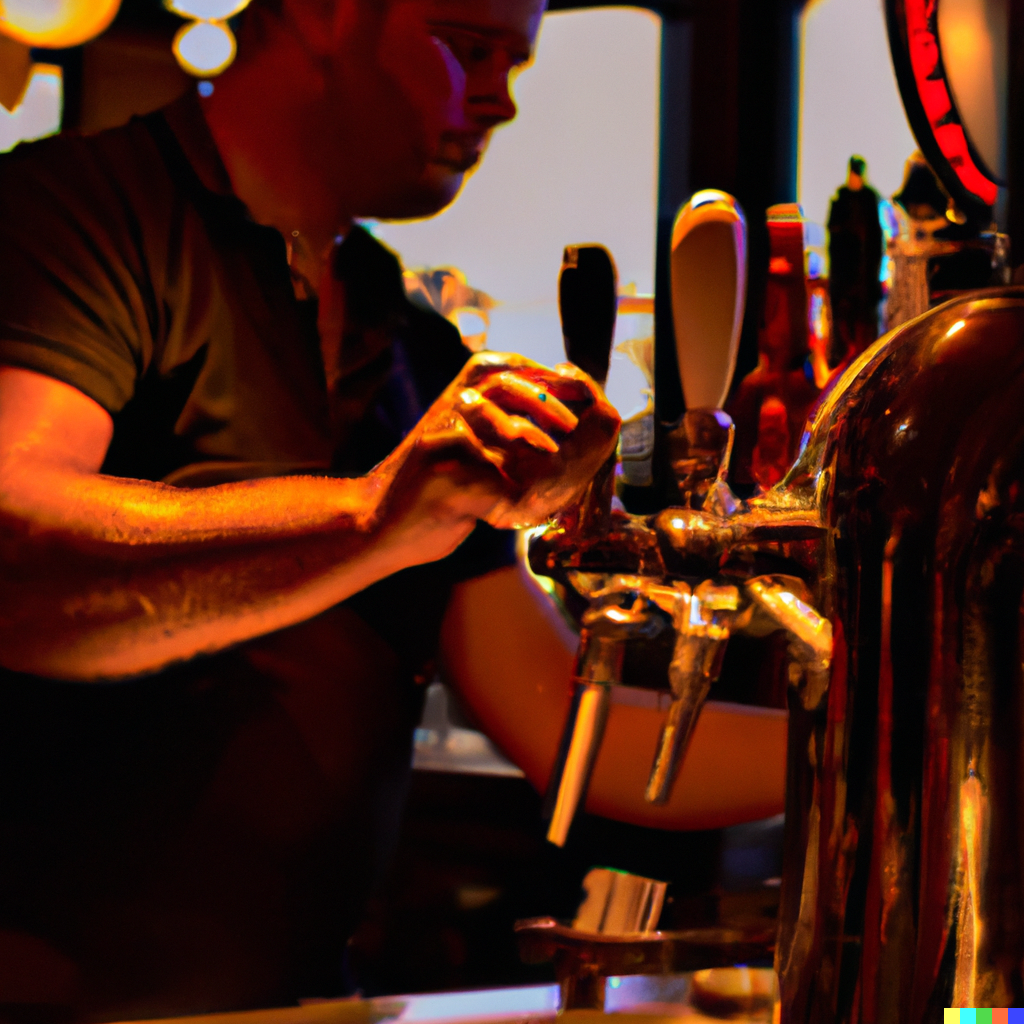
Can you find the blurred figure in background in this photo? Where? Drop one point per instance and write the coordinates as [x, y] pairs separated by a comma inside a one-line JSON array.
[[855, 258]]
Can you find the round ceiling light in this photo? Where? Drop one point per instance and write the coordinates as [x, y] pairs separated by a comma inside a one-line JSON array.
[[207, 10], [207, 46], [55, 24]]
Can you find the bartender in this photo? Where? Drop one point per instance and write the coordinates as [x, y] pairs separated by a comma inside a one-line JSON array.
[[246, 490]]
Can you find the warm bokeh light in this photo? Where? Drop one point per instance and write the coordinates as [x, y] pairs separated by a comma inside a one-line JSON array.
[[205, 48], [975, 57], [207, 10], [56, 24]]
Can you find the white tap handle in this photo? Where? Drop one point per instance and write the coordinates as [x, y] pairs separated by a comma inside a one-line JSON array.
[[709, 292]]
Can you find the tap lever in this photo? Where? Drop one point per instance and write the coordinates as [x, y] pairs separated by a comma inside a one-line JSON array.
[[709, 284], [787, 601], [588, 297]]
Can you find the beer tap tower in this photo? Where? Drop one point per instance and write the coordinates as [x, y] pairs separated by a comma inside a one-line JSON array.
[[892, 555], [644, 575], [686, 569]]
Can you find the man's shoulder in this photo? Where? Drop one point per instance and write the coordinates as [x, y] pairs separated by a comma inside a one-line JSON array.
[[124, 161]]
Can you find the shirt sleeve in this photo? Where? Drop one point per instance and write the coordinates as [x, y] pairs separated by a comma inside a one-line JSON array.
[[75, 298]]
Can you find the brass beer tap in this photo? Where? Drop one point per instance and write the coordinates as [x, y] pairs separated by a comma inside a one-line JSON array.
[[643, 574]]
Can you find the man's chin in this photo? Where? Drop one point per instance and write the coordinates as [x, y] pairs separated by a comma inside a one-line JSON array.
[[437, 189]]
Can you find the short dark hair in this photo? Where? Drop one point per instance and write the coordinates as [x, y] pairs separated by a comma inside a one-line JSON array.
[[858, 165]]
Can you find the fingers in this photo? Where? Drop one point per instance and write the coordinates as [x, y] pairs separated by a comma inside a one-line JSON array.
[[516, 394], [489, 420], [528, 438], [565, 382], [517, 406], [453, 439]]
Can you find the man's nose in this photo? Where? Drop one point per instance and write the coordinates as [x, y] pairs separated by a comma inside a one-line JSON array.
[[490, 96]]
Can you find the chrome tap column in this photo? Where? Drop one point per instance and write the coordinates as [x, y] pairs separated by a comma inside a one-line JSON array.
[[641, 574]]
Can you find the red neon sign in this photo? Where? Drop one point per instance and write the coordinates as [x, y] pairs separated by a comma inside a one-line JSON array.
[[926, 62]]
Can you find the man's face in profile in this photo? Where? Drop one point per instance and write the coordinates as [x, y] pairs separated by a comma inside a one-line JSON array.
[[480, 45], [384, 106]]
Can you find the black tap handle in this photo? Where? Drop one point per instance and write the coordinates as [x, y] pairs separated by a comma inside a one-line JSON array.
[[588, 295]]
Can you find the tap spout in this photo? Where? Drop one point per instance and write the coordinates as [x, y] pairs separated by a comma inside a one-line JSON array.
[[702, 618], [787, 601], [607, 626]]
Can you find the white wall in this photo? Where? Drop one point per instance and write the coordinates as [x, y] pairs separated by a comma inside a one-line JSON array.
[[39, 112], [849, 102], [579, 164]]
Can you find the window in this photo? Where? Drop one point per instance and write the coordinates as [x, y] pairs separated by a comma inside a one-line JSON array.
[[849, 102], [39, 112]]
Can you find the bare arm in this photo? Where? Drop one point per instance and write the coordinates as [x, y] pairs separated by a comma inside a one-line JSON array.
[[103, 577], [511, 656]]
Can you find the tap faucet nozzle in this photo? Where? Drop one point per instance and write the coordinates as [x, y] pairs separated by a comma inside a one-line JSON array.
[[703, 618], [619, 612]]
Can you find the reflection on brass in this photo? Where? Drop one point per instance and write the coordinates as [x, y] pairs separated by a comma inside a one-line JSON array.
[[702, 619], [584, 961], [902, 888], [897, 543], [657, 562]]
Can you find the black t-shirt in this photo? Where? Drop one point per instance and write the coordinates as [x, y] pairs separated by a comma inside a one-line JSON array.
[[202, 838]]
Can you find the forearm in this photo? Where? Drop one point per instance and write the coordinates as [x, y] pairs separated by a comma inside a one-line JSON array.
[[104, 578], [107, 578], [512, 661]]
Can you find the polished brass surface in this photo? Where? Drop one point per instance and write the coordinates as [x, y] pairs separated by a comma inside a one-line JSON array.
[[584, 961], [702, 619], [902, 888], [619, 611], [698, 568]]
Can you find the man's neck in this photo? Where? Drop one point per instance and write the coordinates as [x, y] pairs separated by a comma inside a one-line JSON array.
[[255, 136]]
